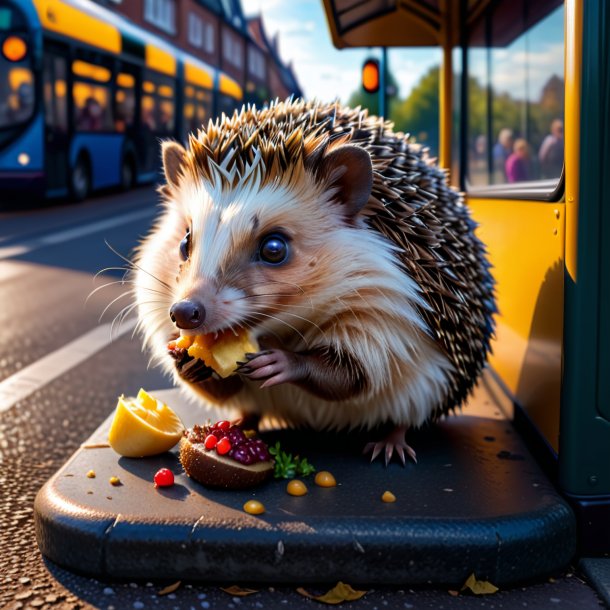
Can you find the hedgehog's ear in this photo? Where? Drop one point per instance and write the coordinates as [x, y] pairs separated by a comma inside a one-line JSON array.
[[349, 170], [173, 156]]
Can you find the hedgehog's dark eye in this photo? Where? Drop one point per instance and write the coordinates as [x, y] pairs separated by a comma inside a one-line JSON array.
[[273, 249], [185, 246]]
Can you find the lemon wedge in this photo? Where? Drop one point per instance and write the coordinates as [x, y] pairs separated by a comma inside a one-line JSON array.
[[143, 426]]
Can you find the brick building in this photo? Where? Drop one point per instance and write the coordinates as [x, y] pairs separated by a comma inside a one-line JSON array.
[[217, 32], [280, 78]]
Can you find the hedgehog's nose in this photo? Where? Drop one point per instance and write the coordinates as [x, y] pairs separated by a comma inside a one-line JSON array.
[[187, 314]]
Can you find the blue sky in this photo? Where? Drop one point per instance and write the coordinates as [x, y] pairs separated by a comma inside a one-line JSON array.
[[324, 71], [327, 73]]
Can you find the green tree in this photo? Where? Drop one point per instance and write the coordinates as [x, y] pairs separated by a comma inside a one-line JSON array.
[[418, 114]]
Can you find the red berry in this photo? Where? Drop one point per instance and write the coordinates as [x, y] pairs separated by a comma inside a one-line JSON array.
[[223, 446], [224, 425], [210, 441], [164, 478]]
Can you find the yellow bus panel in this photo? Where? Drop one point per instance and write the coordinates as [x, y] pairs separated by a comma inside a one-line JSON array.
[[573, 61], [160, 60], [525, 240], [230, 87], [198, 76], [61, 18]]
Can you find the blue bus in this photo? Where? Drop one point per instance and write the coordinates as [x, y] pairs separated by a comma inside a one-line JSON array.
[[86, 95]]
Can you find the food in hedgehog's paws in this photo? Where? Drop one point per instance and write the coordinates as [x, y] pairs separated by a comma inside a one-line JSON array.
[[222, 455], [143, 426], [220, 351]]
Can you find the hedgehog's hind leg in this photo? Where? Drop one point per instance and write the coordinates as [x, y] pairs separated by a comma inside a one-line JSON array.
[[394, 441]]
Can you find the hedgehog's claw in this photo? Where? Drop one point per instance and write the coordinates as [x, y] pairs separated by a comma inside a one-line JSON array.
[[394, 442]]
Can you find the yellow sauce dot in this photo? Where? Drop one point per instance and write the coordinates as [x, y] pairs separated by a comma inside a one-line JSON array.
[[388, 496], [254, 507], [91, 474], [325, 479], [115, 481], [296, 488]]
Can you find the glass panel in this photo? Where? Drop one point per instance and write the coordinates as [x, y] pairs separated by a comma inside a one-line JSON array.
[[16, 93], [92, 107], [55, 89], [516, 94], [197, 109], [124, 101], [158, 108]]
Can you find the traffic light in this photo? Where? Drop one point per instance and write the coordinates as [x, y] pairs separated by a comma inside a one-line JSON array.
[[370, 75]]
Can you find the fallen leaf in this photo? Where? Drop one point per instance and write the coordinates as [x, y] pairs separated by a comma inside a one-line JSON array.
[[479, 587], [338, 594], [453, 593], [170, 588], [238, 591]]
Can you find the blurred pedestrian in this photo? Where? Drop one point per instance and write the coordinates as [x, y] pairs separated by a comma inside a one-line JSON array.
[[551, 151], [519, 163], [501, 151], [91, 116]]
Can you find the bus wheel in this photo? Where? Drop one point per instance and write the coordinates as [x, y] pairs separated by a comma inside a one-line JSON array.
[[80, 181], [128, 174]]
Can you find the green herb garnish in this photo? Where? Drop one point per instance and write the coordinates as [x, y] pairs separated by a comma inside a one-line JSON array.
[[288, 466]]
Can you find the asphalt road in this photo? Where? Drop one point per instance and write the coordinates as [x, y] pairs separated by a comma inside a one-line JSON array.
[[51, 400]]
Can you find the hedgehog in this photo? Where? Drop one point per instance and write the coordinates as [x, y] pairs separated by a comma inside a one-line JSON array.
[[338, 244]]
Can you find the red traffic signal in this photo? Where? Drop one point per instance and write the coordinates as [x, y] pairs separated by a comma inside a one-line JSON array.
[[370, 75]]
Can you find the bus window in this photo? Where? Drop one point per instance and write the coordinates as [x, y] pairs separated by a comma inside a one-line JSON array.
[[516, 94], [16, 91], [197, 109], [124, 102], [226, 104], [92, 97], [158, 107], [55, 101]]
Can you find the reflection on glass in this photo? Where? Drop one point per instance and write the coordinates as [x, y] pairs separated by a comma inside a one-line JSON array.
[[127, 81], [413, 101], [197, 108], [166, 91], [92, 108], [92, 71], [516, 93], [124, 103], [158, 111], [55, 93], [16, 93]]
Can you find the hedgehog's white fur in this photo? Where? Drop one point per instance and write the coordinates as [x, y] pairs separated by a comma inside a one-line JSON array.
[[359, 300]]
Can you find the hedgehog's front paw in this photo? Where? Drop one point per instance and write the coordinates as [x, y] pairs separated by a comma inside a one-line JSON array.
[[190, 369], [274, 366], [395, 441]]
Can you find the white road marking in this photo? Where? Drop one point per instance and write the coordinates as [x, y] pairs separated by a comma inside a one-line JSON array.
[[39, 373], [73, 233]]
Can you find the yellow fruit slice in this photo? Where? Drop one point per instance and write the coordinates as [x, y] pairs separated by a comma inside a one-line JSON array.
[[223, 353], [143, 426]]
